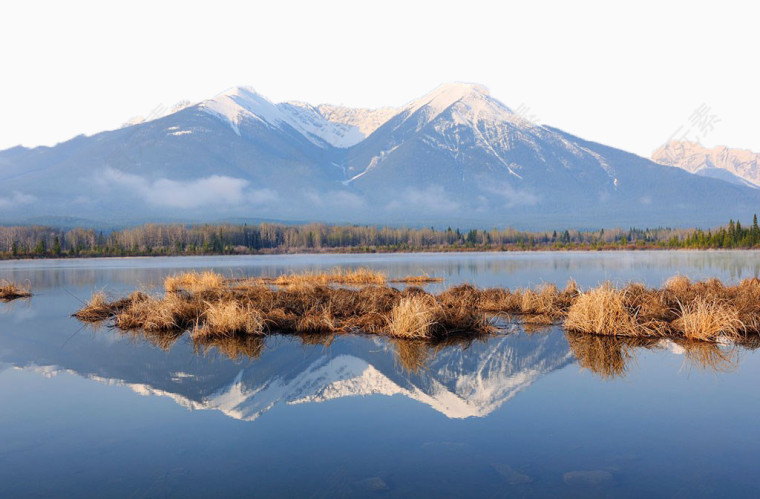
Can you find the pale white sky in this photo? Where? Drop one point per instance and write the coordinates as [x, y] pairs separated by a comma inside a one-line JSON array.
[[628, 75]]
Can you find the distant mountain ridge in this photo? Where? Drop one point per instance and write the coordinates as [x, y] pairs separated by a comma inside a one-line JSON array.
[[454, 157], [739, 166]]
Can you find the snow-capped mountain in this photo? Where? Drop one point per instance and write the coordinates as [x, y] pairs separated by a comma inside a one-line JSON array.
[[456, 156], [458, 383], [738, 166], [325, 126]]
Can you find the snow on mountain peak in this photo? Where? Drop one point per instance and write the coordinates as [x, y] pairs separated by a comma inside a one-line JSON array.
[[446, 95], [738, 166], [240, 102], [469, 104], [340, 129]]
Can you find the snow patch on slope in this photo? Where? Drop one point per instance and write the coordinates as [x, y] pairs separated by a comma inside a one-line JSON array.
[[365, 120], [342, 128], [310, 122]]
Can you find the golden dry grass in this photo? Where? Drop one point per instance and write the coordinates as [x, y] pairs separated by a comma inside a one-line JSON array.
[[227, 318], [705, 320], [541, 301], [194, 282], [9, 290], [170, 313], [97, 309], [413, 317], [494, 300], [602, 311], [360, 276], [213, 307]]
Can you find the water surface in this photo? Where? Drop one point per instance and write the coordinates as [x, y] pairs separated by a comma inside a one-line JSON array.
[[94, 412]]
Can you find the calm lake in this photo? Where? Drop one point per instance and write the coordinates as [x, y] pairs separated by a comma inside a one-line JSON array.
[[97, 412]]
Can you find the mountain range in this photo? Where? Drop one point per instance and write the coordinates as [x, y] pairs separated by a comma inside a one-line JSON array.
[[456, 156], [738, 166]]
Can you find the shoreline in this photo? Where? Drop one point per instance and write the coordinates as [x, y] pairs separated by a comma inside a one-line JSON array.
[[431, 251]]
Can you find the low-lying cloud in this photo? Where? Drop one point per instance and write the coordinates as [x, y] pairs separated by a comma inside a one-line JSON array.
[[16, 199], [334, 199], [432, 199], [204, 191], [513, 197]]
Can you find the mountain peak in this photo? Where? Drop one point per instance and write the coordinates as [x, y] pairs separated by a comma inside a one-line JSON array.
[[462, 89], [238, 102], [242, 91], [693, 157], [448, 94]]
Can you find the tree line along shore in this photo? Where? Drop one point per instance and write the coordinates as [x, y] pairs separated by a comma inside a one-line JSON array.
[[266, 238]]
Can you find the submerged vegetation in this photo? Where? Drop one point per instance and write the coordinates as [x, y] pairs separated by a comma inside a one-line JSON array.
[[11, 291], [318, 306], [222, 239]]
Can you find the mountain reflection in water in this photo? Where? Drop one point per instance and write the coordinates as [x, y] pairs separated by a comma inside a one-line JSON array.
[[244, 377]]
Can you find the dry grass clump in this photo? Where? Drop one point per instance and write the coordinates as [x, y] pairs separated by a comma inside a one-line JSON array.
[[317, 320], [227, 318], [601, 310], [171, 313], [99, 309], [703, 311], [414, 317], [747, 303], [11, 291], [194, 282], [541, 301], [680, 286], [544, 304], [494, 300], [705, 320], [360, 276], [650, 307]]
